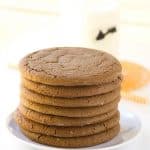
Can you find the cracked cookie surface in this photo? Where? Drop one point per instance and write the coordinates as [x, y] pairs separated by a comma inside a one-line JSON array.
[[97, 100], [64, 121], [65, 131], [70, 91], [70, 112], [70, 66], [72, 142]]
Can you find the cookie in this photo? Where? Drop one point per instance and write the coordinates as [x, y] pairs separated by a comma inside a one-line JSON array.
[[64, 131], [53, 120], [70, 112], [97, 100], [70, 66], [70, 92], [73, 142]]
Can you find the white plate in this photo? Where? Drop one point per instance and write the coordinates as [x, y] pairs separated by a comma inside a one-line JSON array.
[[130, 128]]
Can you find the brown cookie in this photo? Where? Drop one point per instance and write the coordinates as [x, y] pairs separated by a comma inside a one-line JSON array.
[[64, 131], [70, 66], [53, 120], [72, 142], [70, 112], [97, 100], [68, 91]]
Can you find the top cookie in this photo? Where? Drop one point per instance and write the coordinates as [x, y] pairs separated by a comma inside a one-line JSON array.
[[70, 66]]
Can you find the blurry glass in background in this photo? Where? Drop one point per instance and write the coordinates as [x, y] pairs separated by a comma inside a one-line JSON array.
[[90, 23], [31, 25]]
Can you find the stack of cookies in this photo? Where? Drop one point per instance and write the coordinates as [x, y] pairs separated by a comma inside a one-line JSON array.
[[69, 97]]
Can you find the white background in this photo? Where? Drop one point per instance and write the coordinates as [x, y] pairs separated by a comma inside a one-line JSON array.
[[135, 45]]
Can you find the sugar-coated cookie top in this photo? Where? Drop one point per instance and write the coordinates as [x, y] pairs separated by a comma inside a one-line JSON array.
[[70, 66]]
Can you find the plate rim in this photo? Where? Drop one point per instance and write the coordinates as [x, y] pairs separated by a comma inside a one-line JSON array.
[[46, 147]]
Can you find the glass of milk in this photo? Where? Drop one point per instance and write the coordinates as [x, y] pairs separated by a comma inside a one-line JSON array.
[[90, 23], [82, 23]]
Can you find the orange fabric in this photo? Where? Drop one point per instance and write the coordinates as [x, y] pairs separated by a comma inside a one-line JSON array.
[[135, 76], [134, 98]]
